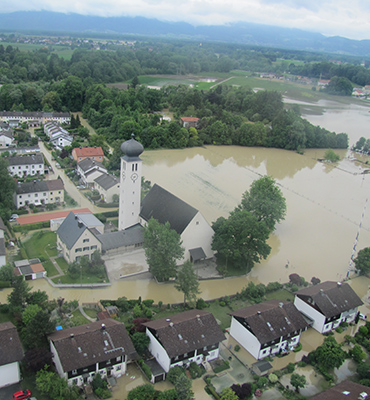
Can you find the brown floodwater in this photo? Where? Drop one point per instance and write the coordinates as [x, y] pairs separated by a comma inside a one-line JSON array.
[[324, 209]]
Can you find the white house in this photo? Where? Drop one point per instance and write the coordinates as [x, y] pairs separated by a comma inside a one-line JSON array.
[[11, 353], [2, 243], [6, 138], [328, 304], [39, 192], [61, 139], [267, 328], [81, 352], [77, 237], [89, 170], [15, 118], [26, 165], [196, 233], [108, 186], [191, 336]]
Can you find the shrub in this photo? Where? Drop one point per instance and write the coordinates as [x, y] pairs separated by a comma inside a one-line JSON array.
[[290, 367], [148, 303], [237, 348], [222, 367], [273, 286], [301, 364], [294, 288], [339, 329], [295, 279], [298, 348], [315, 281], [195, 370], [201, 304], [145, 369], [174, 373], [273, 378], [262, 381]]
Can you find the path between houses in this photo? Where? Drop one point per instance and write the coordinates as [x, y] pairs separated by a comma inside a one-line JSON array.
[[85, 315]]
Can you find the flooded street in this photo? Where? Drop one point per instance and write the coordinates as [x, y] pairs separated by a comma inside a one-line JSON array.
[[324, 208]]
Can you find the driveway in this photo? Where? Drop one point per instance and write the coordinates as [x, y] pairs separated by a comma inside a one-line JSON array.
[[7, 392]]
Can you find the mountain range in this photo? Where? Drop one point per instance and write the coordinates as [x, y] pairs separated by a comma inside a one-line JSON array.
[[245, 33]]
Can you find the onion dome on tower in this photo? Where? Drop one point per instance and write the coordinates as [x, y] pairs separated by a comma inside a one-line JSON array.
[[132, 148]]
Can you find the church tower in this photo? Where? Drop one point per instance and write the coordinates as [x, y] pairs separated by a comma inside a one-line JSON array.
[[130, 188]]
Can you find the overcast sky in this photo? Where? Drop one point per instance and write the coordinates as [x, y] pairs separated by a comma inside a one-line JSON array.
[[348, 18]]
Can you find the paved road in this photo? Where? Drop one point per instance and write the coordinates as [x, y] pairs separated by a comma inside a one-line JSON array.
[[69, 186]]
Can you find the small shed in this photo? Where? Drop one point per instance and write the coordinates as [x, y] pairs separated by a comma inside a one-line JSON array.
[[261, 368]]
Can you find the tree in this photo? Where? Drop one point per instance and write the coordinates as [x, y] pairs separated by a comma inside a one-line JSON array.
[[162, 247], [34, 334], [362, 261], [37, 358], [241, 239], [142, 392], [7, 273], [357, 353], [330, 354], [265, 201], [183, 388], [242, 391], [29, 313], [8, 186], [50, 384], [140, 341], [187, 282], [18, 297], [298, 381], [228, 394], [331, 156]]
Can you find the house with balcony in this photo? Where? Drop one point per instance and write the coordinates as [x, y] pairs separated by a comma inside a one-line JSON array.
[[26, 165], [267, 328], [89, 170], [82, 352], [191, 336], [328, 304]]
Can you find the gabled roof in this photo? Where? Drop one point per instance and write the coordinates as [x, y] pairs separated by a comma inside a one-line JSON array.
[[88, 151], [346, 390], [331, 298], [70, 230], [166, 207], [88, 163], [26, 159], [186, 332], [55, 184], [32, 187], [89, 344], [189, 119], [106, 181], [10, 345], [271, 320]]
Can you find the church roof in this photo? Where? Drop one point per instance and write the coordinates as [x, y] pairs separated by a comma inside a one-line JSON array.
[[166, 207], [132, 148]]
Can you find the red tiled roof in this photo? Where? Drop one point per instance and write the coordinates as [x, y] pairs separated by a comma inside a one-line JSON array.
[[189, 119], [88, 151], [30, 219], [37, 268]]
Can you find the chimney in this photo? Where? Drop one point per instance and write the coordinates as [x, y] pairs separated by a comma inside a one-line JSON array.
[[72, 335], [258, 312], [339, 284], [171, 324], [103, 327], [281, 305]]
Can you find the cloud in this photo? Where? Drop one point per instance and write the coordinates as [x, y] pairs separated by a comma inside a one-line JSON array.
[[330, 17]]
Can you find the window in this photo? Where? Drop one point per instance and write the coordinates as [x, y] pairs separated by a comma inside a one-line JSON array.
[[93, 247], [86, 248], [51, 193], [44, 194], [118, 358], [36, 195], [78, 250], [74, 372], [29, 195], [86, 240], [20, 203], [20, 196]]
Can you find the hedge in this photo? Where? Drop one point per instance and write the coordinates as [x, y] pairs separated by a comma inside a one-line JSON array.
[[5, 284], [107, 205], [108, 214], [31, 227]]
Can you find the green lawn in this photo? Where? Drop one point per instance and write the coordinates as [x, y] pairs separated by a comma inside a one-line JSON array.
[[41, 243], [50, 268], [62, 264], [90, 312], [78, 318], [85, 278]]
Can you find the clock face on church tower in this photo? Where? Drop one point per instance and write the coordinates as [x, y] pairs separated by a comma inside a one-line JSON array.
[[134, 176]]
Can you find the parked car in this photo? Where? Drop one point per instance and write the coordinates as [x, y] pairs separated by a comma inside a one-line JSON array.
[[363, 317], [13, 217], [22, 395]]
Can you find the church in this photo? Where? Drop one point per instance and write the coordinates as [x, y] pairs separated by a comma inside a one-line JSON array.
[[195, 232]]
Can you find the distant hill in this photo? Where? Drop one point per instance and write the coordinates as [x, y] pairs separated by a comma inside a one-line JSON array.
[[246, 33]]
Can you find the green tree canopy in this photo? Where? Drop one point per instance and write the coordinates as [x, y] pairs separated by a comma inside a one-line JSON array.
[[8, 186], [187, 282], [162, 247], [298, 381], [183, 388], [241, 239], [330, 155], [330, 354], [265, 201], [362, 261]]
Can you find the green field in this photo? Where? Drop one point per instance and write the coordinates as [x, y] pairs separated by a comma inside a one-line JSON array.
[[62, 51], [41, 244]]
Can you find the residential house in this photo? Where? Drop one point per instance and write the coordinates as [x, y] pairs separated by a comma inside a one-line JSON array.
[[6, 138], [61, 139], [15, 118], [87, 218], [2, 243], [95, 153], [323, 83], [26, 165], [346, 390], [328, 304], [89, 170], [191, 336], [29, 269], [196, 234], [39, 192], [108, 186], [267, 328], [189, 122], [77, 238], [84, 351], [11, 353]]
